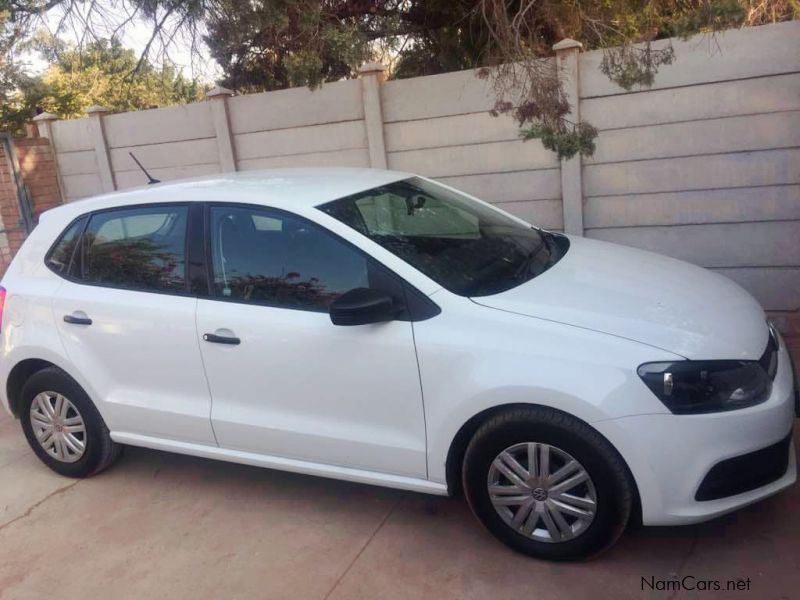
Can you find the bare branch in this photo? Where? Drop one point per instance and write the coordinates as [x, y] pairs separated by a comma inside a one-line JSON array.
[[156, 32]]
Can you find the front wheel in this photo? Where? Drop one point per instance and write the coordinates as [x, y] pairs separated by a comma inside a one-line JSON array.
[[547, 484]]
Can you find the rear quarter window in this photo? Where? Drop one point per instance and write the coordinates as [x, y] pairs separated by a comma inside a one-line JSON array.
[[60, 256]]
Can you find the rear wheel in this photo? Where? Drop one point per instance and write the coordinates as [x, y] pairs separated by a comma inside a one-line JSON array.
[[63, 426], [547, 484]]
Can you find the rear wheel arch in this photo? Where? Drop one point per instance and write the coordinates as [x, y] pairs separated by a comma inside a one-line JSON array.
[[458, 447], [19, 374]]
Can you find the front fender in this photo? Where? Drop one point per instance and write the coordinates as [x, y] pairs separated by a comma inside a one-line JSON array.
[[501, 358]]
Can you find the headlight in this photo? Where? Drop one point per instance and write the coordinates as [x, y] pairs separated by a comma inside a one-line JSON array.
[[691, 387]]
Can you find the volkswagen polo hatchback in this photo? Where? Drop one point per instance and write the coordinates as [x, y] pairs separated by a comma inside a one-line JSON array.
[[381, 328]]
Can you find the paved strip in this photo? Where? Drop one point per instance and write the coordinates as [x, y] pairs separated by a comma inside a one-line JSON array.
[[168, 526]]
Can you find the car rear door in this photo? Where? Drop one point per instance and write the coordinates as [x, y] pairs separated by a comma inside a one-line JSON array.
[[126, 316], [285, 381]]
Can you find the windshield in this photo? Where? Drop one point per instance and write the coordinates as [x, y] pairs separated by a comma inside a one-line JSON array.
[[465, 246]]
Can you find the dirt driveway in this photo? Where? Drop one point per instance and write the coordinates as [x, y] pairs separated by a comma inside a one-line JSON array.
[[165, 526]]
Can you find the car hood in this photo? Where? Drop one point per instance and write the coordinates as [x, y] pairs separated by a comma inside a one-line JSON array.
[[644, 297]]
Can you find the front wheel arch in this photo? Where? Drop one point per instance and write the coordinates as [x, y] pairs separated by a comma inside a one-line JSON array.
[[458, 446]]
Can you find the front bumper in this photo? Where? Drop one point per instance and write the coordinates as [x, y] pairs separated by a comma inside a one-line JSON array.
[[671, 455]]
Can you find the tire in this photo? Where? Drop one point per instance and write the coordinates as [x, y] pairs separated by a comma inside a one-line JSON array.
[[604, 499], [65, 456]]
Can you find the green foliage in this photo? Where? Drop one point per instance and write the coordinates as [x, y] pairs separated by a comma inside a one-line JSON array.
[[8, 71], [100, 73], [624, 29], [564, 140], [273, 44], [713, 15], [628, 66]]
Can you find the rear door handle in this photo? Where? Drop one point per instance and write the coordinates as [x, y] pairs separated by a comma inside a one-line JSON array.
[[221, 339], [77, 320]]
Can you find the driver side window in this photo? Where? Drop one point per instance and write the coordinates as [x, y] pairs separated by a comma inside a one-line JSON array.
[[273, 258]]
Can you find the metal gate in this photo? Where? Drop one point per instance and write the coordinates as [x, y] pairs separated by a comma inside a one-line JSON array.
[[27, 220]]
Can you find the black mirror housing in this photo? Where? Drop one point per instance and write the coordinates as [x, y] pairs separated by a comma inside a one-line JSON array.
[[362, 306]]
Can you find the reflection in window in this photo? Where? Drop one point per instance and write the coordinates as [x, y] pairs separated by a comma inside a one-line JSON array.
[[280, 260], [464, 245], [139, 248], [61, 255], [393, 214]]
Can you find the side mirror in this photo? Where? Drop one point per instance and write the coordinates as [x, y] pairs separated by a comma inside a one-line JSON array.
[[361, 306]]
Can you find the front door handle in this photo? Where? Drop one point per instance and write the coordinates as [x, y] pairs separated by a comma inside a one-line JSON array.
[[77, 319], [221, 339]]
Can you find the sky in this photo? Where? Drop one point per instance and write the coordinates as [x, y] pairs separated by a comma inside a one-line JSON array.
[[135, 36]]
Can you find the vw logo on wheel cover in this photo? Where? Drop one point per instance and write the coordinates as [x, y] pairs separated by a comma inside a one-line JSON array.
[[540, 494]]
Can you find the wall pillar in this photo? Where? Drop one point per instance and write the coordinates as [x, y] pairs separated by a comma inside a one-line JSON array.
[[372, 76], [98, 135], [219, 111], [567, 52], [44, 125]]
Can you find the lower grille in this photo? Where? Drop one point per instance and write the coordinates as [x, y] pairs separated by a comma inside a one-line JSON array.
[[747, 472]]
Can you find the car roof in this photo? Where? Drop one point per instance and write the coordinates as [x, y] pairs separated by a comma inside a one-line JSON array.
[[288, 189]]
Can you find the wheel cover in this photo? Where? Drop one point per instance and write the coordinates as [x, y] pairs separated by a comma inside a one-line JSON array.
[[542, 492], [58, 427]]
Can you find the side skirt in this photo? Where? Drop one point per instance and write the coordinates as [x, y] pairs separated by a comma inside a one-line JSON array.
[[283, 464]]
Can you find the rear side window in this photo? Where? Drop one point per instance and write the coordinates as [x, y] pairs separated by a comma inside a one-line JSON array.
[[60, 257], [136, 248]]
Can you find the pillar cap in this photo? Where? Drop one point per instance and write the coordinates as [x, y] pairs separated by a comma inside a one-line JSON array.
[[96, 109], [566, 44], [218, 91], [45, 116], [371, 67]]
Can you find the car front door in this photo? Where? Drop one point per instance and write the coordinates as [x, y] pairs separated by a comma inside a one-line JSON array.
[[127, 321], [284, 380]]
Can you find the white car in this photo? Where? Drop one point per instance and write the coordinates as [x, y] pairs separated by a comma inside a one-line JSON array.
[[381, 328]]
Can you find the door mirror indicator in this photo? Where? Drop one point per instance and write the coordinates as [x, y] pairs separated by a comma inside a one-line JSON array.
[[361, 306]]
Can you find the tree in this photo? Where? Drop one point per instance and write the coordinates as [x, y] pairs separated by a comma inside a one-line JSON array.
[[9, 71], [272, 44], [103, 72], [278, 43]]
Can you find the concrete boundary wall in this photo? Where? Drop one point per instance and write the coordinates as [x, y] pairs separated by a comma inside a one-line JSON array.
[[704, 165]]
